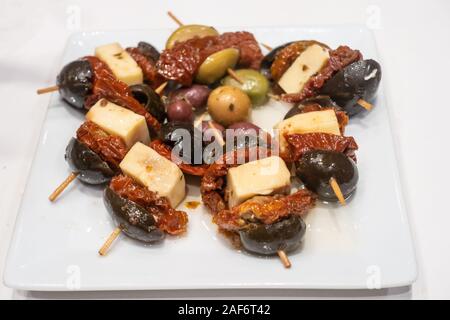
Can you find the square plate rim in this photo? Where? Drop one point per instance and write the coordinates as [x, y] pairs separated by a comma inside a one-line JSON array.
[[408, 278]]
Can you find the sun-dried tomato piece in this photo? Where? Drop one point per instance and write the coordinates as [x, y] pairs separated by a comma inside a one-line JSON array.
[[111, 149], [167, 218], [265, 209], [301, 143]]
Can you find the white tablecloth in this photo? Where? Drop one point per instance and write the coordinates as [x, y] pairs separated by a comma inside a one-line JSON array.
[[414, 43]]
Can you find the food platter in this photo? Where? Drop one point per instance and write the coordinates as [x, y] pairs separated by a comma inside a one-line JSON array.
[[366, 244]]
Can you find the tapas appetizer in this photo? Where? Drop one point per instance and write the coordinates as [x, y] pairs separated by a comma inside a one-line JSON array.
[[143, 144], [304, 69], [142, 199], [102, 142]]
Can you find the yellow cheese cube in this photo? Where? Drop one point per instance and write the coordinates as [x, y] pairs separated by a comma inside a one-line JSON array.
[[308, 63], [119, 121], [155, 172], [261, 177], [121, 63], [317, 121]]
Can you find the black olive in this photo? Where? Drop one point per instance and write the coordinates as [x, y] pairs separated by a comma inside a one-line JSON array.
[[266, 63], [75, 82], [185, 140], [149, 51], [246, 141], [135, 222], [265, 239], [359, 80], [316, 168], [323, 101], [150, 100], [90, 167], [246, 135]]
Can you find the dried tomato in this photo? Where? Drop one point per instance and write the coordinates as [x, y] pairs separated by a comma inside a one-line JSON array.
[[111, 149], [301, 143], [168, 219], [265, 209]]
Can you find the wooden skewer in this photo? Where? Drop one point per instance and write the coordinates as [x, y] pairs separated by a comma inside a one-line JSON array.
[[216, 133], [174, 18], [267, 46], [337, 190], [62, 186], [234, 75], [366, 105], [160, 89], [284, 259], [113, 236], [47, 90]]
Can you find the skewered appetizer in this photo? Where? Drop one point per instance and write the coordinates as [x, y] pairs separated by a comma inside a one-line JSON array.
[[144, 188], [142, 199], [304, 69], [245, 182], [207, 57], [109, 74], [102, 142], [311, 137], [252, 203]]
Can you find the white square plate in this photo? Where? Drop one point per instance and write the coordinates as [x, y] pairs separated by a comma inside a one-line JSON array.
[[364, 244]]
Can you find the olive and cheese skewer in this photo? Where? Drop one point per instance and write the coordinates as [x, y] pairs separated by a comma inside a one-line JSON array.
[[114, 120], [75, 80], [149, 170], [79, 72], [352, 86], [257, 205], [323, 121]]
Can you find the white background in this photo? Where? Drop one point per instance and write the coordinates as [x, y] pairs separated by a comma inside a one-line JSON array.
[[413, 38]]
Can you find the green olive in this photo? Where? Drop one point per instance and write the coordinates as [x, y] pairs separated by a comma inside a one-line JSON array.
[[253, 83], [228, 105], [190, 31], [216, 65]]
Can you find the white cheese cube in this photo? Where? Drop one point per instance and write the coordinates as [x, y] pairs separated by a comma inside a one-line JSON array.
[[261, 177], [308, 63], [150, 169], [316, 121], [119, 121], [121, 63]]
